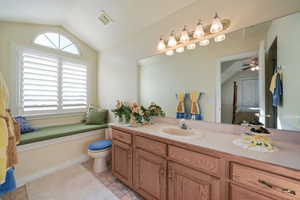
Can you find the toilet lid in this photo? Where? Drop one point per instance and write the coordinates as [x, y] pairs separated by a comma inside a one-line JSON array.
[[100, 145]]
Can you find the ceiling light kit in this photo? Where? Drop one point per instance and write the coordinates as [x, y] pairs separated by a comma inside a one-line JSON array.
[[201, 34]]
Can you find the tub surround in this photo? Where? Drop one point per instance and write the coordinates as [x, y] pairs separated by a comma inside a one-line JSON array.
[[154, 163]]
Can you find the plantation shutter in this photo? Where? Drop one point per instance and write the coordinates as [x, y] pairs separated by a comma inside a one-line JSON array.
[[74, 86], [39, 88]]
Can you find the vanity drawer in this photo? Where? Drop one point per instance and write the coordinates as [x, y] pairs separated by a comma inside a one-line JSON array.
[[121, 136], [151, 145], [195, 160], [266, 182]]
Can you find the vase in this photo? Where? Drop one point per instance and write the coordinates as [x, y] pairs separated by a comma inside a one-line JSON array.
[[120, 119]]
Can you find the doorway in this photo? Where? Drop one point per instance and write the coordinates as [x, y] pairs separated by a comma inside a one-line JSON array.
[[271, 66]]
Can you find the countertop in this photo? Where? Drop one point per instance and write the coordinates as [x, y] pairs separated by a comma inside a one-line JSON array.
[[288, 154]]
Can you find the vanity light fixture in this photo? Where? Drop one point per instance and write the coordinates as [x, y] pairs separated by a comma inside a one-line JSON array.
[[180, 49], [191, 46], [161, 45], [184, 35], [216, 25], [201, 34], [199, 31], [170, 53], [172, 42], [204, 43], [220, 38]]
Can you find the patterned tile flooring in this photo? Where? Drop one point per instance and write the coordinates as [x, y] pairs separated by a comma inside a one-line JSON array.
[[121, 191]]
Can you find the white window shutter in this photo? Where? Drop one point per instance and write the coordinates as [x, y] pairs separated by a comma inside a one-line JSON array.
[[39, 88], [74, 86]]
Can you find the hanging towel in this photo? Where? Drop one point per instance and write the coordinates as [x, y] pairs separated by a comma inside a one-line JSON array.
[[10, 182], [195, 106], [277, 95], [273, 83], [180, 107], [3, 129]]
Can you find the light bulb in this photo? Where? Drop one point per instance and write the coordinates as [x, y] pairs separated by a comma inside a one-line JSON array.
[[216, 25], [184, 35], [253, 69], [204, 43], [170, 53], [220, 38], [257, 68], [199, 31], [172, 42], [191, 46], [180, 49], [161, 45]]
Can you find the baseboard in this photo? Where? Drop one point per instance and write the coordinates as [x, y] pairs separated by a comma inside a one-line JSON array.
[[24, 180]]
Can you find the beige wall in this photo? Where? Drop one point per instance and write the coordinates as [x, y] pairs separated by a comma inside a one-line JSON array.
[[287, 30], [18, 35], [164, 76]]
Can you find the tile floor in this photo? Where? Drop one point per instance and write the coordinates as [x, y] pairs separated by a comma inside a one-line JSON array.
[[75, 183]]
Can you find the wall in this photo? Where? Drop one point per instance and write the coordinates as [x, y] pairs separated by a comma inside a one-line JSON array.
[[18, 35], [163, 76], [287, 30]]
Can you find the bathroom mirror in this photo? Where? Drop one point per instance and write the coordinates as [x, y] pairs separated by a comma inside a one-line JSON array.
[[251, 77]]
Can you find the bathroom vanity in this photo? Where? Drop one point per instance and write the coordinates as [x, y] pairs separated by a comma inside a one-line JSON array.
[[206, 166]]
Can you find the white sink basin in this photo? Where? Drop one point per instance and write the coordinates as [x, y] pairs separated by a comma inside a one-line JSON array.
[[180, 132]]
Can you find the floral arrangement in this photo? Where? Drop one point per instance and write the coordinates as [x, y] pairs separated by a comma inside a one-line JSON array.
[[122, 110], [137, 114]]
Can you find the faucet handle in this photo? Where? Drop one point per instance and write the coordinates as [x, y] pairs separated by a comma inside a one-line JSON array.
[[182, 124]]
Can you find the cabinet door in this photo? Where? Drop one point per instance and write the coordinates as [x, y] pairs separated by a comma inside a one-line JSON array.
[[238, 193], [122, 161], [150, 175], [185, 183]]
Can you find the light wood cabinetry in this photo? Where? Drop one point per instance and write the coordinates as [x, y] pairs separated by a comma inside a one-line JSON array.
[[238, 193], [150, 173], [122, 161], [162, 169], [185, 183]]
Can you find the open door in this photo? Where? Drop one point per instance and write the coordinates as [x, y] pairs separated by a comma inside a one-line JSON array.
[[271, 65]]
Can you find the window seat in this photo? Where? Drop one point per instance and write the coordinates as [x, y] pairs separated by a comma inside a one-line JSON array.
[[58, 131]]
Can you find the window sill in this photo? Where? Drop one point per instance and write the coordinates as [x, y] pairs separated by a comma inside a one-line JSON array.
[[47, 116]]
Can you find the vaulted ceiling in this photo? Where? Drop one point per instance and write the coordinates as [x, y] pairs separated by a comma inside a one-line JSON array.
[[132, 16]]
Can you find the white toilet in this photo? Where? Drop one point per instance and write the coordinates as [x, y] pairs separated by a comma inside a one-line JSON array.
[[100, 151]]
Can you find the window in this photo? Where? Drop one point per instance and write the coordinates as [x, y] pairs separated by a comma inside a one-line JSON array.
[[51, 85], [57, 41]]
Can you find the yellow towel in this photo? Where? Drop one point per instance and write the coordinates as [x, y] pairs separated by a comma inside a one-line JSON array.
[[3, 129], [194, 107], [273, 83], [180, 106]]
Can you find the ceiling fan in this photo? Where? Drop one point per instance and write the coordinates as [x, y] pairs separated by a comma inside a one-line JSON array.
[[252, 65]]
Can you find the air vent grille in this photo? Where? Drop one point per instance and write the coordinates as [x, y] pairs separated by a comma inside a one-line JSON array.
[[105, 18]]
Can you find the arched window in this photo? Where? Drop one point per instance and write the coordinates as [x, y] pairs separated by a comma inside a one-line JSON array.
[[57, 41]]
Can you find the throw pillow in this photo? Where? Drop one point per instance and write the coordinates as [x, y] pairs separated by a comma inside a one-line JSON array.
[[24, 125]]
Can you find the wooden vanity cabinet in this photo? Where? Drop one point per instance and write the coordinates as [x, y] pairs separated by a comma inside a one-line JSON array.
[[122, 161], [160, 169], [150, 172], [185, 183], [239, 193]]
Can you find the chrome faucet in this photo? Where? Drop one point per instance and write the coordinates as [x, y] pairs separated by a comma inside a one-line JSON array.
[[182, 124]]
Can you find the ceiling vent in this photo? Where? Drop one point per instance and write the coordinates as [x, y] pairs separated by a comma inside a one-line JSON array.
[[104, 18]]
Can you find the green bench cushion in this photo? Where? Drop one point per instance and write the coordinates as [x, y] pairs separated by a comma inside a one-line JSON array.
[[58, 131]]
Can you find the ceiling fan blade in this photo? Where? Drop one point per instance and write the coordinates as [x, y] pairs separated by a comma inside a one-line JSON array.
[[246, 68]]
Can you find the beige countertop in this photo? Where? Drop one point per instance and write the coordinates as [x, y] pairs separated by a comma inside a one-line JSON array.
[[288, 154]]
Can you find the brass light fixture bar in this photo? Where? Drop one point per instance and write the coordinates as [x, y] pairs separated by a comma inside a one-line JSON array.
[[216, 30]]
